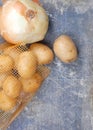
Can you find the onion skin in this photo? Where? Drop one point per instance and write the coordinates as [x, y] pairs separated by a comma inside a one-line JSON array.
[[23, 22], [37, 1], [3, 1]]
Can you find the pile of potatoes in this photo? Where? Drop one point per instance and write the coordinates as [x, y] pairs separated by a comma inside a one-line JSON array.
[[19, 65], [19, 71]]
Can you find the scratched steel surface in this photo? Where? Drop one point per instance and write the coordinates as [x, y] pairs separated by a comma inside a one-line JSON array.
[[63, 102]]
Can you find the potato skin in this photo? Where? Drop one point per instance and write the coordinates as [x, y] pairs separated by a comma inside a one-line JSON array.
[[14, 52], [6, 103], [4, 45], [12, 87], [32, 84], [65, 49], [27, 64], [3, 77], [43, 53], [6, 63]]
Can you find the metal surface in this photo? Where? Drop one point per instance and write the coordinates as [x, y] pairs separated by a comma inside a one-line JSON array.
[[62, 102]]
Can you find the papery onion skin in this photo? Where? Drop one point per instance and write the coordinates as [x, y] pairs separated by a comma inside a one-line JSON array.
[[23, 21]]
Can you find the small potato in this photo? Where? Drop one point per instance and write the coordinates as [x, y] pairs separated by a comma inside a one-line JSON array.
[[14, 52], [3, 77], [6, 103], [6, 63], [12, 87], [27, 64], [43, 53], [32, 84], [4, 45], [65, 49]]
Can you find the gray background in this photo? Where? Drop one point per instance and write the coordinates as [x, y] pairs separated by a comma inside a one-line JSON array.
[[62, 102]]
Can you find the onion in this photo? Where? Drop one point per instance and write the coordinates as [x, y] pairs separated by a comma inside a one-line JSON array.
[[23, 21], [37, 1]]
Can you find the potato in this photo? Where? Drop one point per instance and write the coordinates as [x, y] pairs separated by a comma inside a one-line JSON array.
[[65, 49], [6, 63], [4, 45], [32, 84], [6, 103], [14, 52], [3, 77], [43, 53], [27, 64], [12, 87]]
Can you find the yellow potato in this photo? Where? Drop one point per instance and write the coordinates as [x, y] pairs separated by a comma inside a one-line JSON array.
[[6, 63], [65, 49], [14, 52], [12, 87], [3, 77], [4, 45], [27, 64], [43, 53], [6, 103], [32, 84]]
